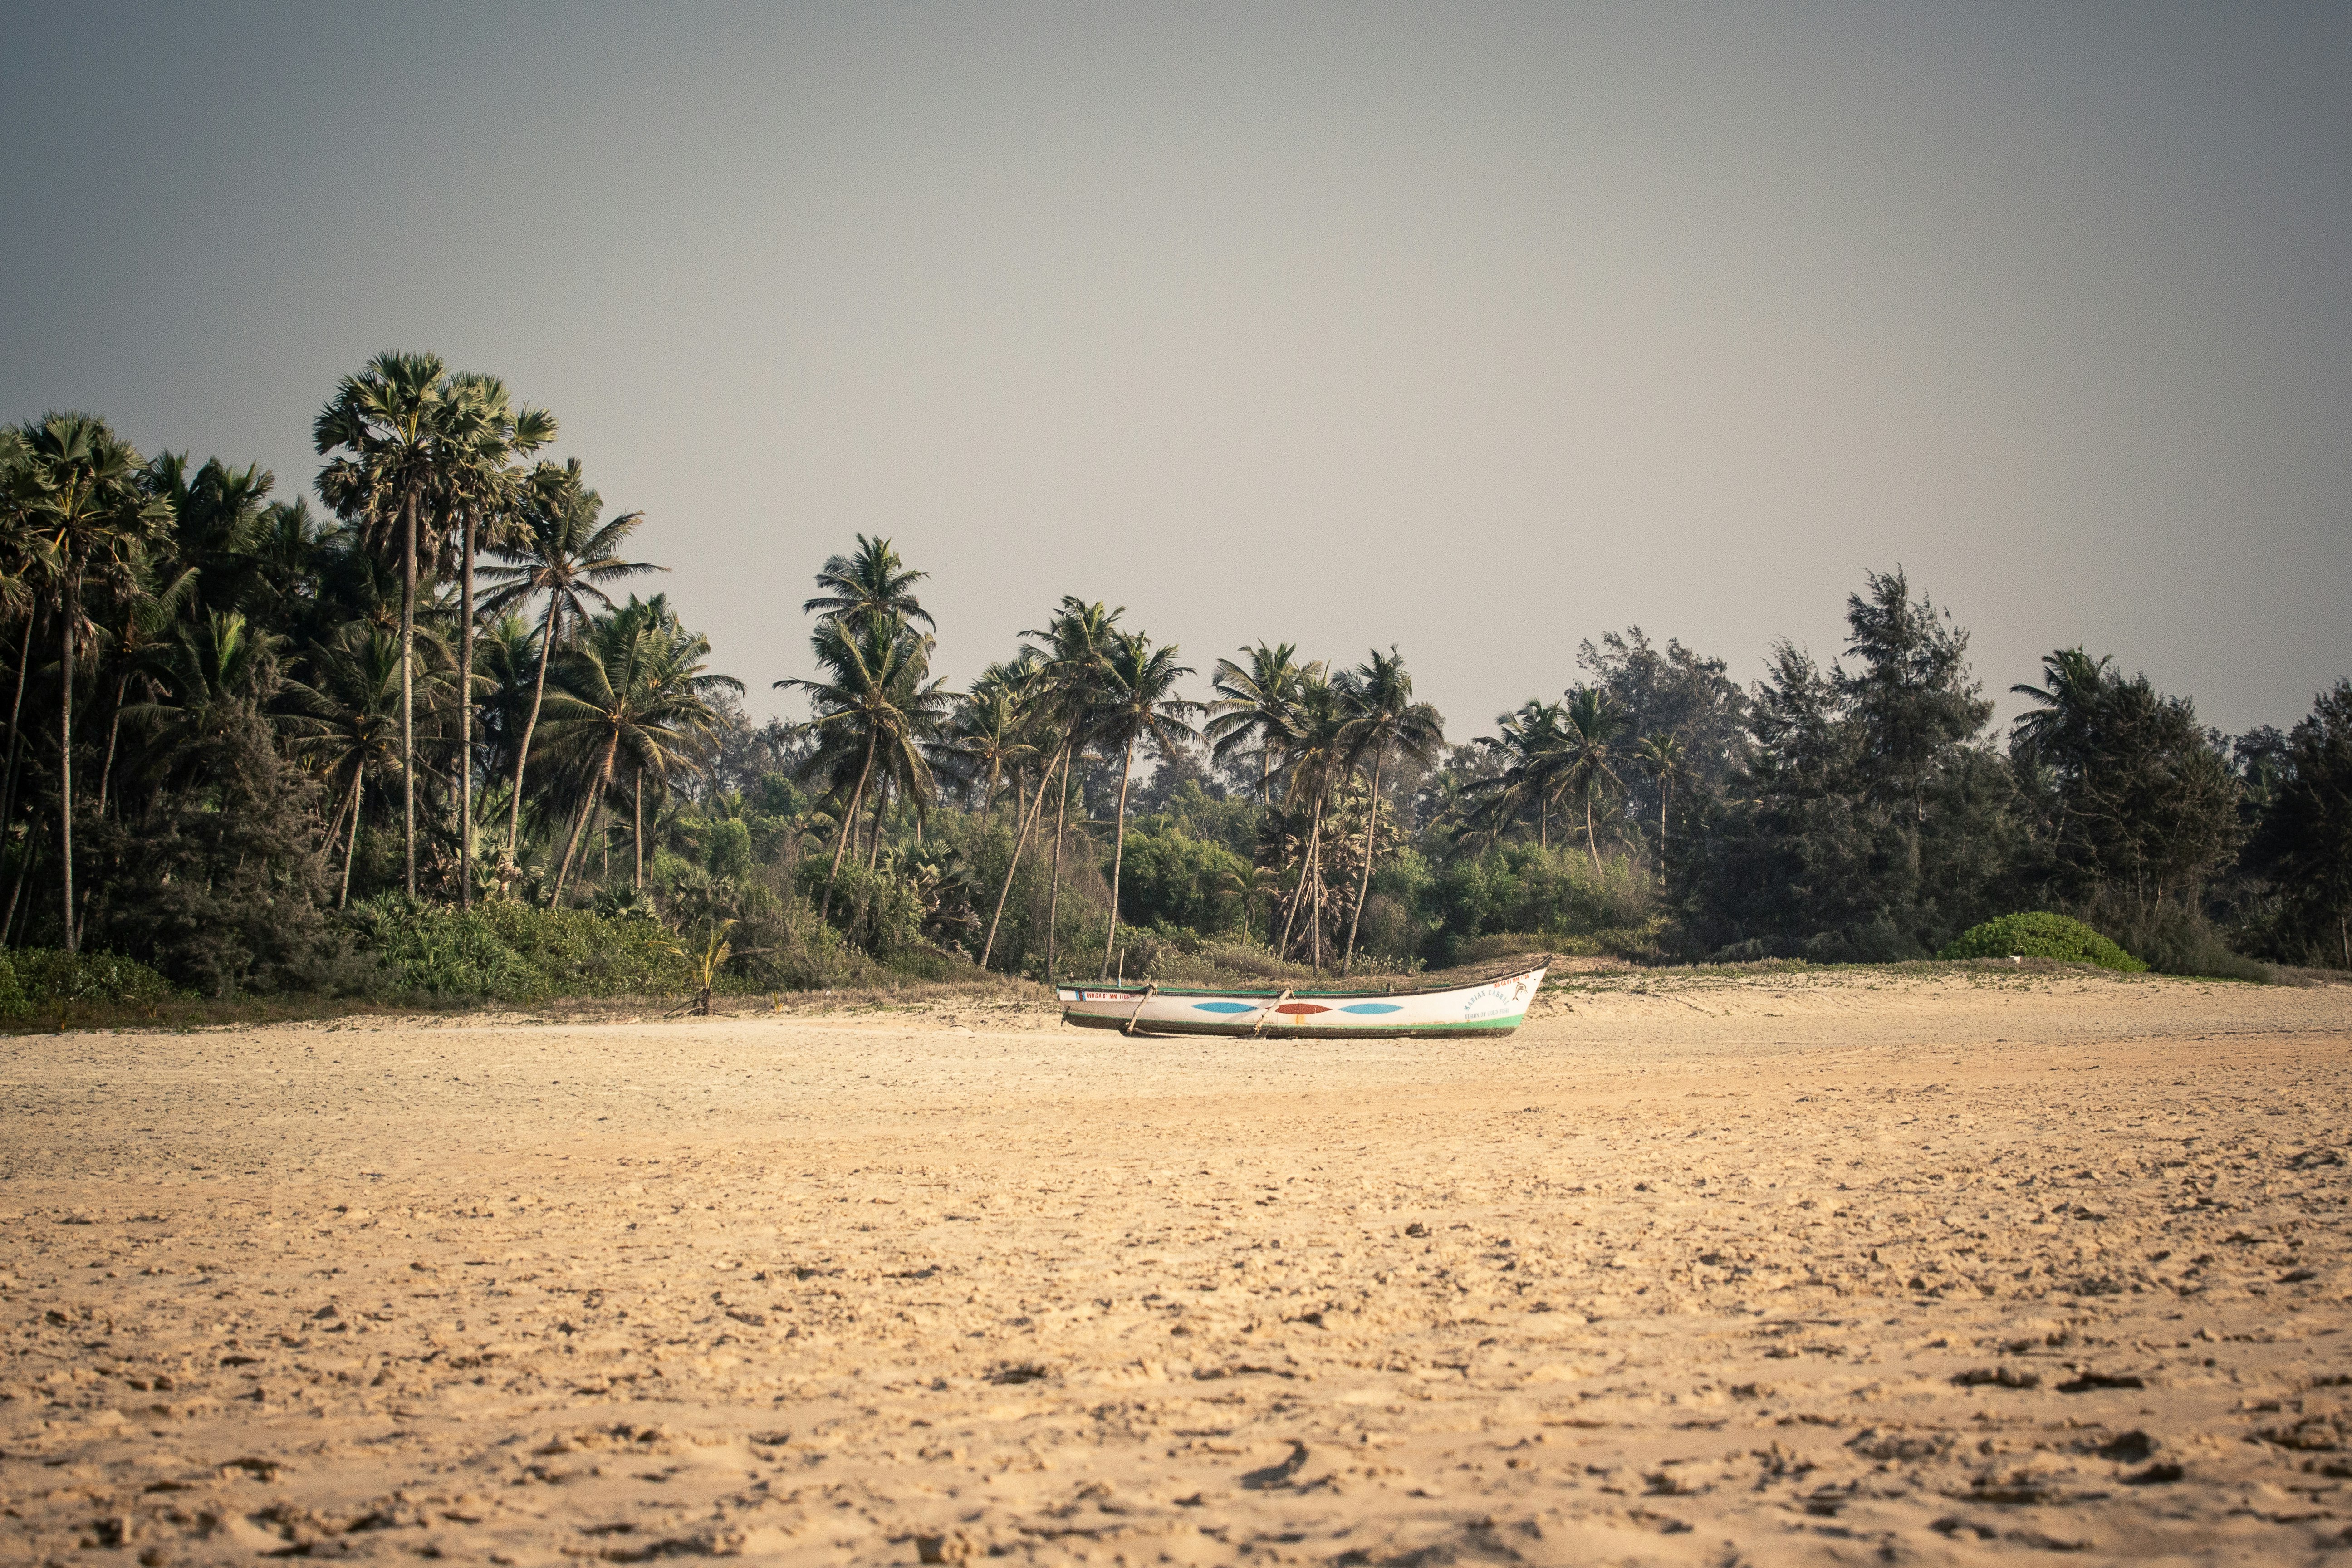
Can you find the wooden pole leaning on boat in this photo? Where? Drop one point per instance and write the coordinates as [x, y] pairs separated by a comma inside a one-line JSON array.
[[1257, 1031], [1128, 1027]]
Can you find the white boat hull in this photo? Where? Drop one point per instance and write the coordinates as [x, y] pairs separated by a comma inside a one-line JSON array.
[[1492, 1006]]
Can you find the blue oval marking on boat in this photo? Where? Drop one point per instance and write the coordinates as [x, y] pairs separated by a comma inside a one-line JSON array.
[[1373, 1007], [1226, 1007]]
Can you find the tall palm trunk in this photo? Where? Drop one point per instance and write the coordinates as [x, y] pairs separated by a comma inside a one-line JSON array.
[[113, 732], [65, 747], [1054, 899], [579, 828], [881, 805], [352, 849], [34, 844], [848, 825], [329, 839], [1306, 859], [1117, 855], [1364, 884], [1316, 934], [538, 695], [409, 684], [466, 719], [1665, 800], [15, 750], [1028, 819], [637, 834], [1592, 841]]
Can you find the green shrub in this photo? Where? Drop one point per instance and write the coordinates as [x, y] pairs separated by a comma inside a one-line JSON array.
[[34, 978], [508, 951], [1545, 895], [2174, 938], [2041, 934]]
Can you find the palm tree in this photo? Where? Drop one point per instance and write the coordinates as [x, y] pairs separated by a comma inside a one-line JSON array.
[[349, 723], [988, 736], [1138, 702], [506, 660], [638, 682], [1662, 758], [1316, 744], [90, 512], [144, 625], [217, 668], [1077, 642], [392, 420], [1531, 743], [485, 489], [1254, 706], [1589, 746], [1381, 715], [2066, 704], [869, 582], [562, 550], [18, 562], [1247, 884], [871, 702]]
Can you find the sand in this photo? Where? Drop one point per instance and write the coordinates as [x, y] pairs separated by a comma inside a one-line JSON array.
[[1786, 1269]]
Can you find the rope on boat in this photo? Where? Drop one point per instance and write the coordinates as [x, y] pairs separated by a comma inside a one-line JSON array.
[[1257, 1031]]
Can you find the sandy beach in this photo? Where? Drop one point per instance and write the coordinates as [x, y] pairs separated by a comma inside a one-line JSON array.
[[1788, 1268]]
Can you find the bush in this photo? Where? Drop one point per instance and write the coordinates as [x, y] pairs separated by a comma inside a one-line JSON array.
[[2173, 938], [1548, 896], [2041, 934], [34, 978], [508, 951]]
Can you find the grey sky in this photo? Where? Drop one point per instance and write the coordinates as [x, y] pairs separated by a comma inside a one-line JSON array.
[[1476, 329]]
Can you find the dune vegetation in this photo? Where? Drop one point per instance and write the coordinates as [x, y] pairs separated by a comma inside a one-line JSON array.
[[437, 740]]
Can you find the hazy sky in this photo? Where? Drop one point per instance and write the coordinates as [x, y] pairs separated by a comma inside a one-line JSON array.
[[1475, 330]]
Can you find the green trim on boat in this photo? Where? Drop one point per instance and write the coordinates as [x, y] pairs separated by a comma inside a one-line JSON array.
[[1300, 1032]]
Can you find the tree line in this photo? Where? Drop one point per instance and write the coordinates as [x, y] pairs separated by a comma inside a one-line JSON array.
[[248, 740]]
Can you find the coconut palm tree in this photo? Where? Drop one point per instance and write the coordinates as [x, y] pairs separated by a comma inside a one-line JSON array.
[[91, 515], [1589, 747], [144, 625], [220, 524], [1136, 702], [216, 670], [1248, 883], [869, 582], [486, 485], [635, 682], [19, 561], [988, 737], [1315, 744], [1253, 707], [347, 723], [1529, 743], [560, 548], [390, 421], [2067, 704], [1075, 643], [1662, 758], [872, 703], [1382, 717]]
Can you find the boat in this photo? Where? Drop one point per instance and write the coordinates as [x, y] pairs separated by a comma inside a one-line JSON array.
[[1493, 1005]]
